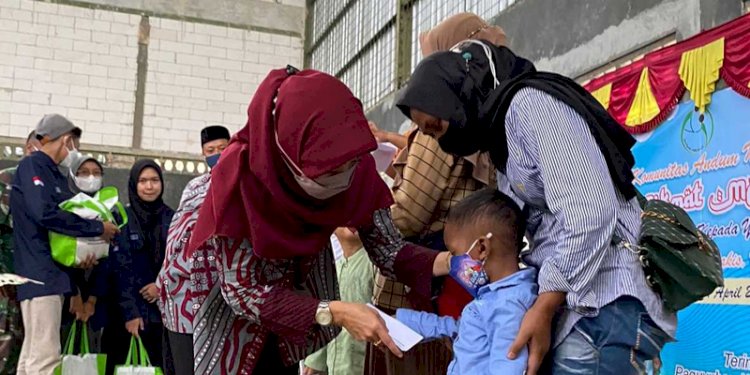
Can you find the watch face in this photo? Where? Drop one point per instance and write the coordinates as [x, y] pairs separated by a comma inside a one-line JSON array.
[[323, 318]]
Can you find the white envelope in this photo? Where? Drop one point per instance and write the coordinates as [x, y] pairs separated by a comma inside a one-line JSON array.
[[404, 337], [384, 155]]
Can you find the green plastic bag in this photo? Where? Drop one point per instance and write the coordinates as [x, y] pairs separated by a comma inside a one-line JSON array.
[[140, 365], [71, 251], [83, 362]]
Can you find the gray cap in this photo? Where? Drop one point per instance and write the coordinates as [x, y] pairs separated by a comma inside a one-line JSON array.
[[54, 126]]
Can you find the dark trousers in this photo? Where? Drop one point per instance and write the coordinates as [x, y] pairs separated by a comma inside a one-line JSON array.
[[270, 362], [116, 344], [181, 345]]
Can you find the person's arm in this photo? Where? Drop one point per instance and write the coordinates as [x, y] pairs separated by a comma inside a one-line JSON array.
[[381, 136], [428, 325], [396, 139], [317, 360], [470, 347], [99, 279], [578, 191], [122, 266], [397, 259], [503, 323], [46, 213], [423, 172], [255, 288], [78, 278], [178, 236]]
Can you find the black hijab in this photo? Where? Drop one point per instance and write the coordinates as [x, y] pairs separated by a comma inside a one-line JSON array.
[[149, 215], [459, 87]]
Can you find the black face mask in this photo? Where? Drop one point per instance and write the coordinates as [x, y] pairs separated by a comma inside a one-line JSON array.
[[461, 141]]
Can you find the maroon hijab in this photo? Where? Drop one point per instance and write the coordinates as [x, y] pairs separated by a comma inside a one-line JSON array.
[[253, 193]]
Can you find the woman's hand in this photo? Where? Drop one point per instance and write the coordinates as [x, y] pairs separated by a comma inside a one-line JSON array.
[[150, 293], [135, 326], [536, 330], [398, 140], [89, 308], [442, 265], [76, 307], [89, 262], [363, 323], [380, 136]]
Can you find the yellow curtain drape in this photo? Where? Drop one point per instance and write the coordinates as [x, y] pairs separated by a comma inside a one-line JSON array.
[[644, 107], [603, 95], [699, 71]]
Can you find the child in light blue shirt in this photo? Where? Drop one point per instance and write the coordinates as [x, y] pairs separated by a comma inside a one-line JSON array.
[[484, 233]]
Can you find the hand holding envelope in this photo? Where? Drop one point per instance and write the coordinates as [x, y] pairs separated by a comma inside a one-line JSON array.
[[404, 337]]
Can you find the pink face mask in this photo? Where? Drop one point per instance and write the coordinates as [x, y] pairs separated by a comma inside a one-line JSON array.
[[324, 187]]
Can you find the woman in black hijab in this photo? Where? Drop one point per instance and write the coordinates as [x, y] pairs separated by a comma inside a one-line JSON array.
[[139, 256], [568, 163]]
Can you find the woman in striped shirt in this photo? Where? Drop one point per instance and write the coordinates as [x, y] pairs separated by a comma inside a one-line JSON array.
[[568, 163]]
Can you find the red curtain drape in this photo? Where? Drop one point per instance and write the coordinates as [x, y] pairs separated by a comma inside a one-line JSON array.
[[663, 73]]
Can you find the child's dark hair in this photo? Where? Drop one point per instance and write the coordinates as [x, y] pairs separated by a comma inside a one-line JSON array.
[[490, 204]]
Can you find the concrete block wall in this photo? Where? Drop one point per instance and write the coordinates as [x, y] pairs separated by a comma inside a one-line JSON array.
[[82, 63], [202, 74], [75, 61]]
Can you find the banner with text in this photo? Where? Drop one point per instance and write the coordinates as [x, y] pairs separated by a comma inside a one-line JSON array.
[[701, 162]]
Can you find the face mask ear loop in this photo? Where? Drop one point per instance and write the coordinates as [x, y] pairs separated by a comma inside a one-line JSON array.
[[474, 244], [487, 52]]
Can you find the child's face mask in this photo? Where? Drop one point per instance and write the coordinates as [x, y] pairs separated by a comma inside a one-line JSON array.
[[469, 272]]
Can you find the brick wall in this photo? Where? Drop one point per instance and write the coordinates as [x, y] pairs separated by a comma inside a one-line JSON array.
[[201, 74], [74, 61], [81, 63]]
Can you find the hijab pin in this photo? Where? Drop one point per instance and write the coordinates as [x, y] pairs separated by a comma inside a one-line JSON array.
[[467, 56], [290, 70]]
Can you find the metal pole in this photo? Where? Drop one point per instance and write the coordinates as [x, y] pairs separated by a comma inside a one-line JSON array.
[[144, 32]]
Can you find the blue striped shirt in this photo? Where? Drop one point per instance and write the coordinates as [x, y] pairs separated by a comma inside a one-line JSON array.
[[556, 168]]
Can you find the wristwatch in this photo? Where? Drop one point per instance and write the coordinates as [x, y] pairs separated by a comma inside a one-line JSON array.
[[323, 315]]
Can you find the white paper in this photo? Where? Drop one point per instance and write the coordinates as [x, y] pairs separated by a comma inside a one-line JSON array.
[[13, 279], [384, 155], [404, 337]]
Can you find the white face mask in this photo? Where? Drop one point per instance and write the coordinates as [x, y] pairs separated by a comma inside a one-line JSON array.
[[90, 184], [322, 188], [73, 154], [328, 186]]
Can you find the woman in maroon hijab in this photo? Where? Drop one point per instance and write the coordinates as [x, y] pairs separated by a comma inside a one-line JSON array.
[[299, 169]]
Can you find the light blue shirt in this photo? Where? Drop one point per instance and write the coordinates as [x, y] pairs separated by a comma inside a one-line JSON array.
[[487, 328]]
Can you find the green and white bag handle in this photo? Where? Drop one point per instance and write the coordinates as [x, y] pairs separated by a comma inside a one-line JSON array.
[[136, 345], [70, 342]]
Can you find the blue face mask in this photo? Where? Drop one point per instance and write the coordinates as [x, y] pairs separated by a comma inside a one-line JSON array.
[[469, 272], [213, 159]]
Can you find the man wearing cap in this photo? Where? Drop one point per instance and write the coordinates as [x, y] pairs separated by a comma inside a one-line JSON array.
[[38, 189], [12, 337], [179, 297]]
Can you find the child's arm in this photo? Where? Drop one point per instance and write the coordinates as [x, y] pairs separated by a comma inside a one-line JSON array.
[[430, 326], [502, 328], [316, 362]]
